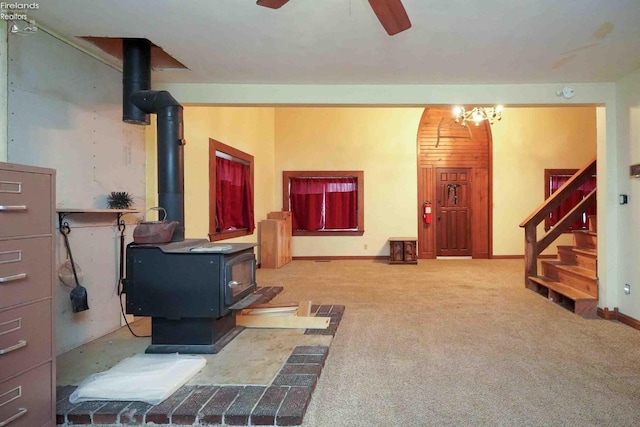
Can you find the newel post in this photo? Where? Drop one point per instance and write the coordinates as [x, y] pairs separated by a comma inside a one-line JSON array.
[[530, 252]]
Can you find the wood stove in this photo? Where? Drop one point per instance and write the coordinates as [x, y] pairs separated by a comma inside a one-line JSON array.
[[189, 289]]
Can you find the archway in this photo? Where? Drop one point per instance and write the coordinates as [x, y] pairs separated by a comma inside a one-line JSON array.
[[454, 169]]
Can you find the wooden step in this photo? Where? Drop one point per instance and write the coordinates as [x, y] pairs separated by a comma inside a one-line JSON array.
[[585, 239], [577, 277], [585, 258], [593, 223], [562, 294]]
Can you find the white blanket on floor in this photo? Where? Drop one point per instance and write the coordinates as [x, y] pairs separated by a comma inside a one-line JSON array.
[[147, 378]]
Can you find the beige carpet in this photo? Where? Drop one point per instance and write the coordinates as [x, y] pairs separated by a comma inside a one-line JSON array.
[[452, 342]]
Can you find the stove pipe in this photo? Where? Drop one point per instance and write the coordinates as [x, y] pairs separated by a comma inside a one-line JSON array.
[[136, 75], [170, 131]]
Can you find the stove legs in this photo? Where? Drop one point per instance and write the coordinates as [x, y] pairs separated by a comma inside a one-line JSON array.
[[192, 335]]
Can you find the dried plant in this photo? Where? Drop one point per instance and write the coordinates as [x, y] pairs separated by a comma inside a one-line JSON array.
[[119, 200]]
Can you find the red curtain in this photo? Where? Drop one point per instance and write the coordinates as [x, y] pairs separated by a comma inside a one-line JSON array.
[[306, 195], [341, 204], [570, 202], [234, 204], [324, 203]]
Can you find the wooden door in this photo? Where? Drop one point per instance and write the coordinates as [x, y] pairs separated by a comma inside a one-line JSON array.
[[453, 211]]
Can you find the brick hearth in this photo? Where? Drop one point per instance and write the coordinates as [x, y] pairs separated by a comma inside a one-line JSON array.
[[283, 402]]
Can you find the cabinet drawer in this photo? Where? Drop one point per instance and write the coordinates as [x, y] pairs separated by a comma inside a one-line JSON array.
[[26, 400], [25, 270], [25, 204], [25, 337]]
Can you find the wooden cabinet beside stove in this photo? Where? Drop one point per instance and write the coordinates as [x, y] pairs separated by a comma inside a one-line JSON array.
[[403, 250], [275, 240], [27, 347]]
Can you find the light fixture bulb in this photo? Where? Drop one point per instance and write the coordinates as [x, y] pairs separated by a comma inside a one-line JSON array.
[[477, 114]]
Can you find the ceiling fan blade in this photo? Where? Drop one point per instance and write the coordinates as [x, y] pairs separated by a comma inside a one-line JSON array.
[[391, 14], [273, 4]]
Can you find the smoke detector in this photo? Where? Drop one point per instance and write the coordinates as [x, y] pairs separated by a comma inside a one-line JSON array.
[[566, 92]]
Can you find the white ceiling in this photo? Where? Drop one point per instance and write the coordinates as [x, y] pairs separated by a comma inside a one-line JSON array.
[[342, 42]]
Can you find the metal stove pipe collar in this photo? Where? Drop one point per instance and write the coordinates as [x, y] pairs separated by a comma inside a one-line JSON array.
[[153, 101]]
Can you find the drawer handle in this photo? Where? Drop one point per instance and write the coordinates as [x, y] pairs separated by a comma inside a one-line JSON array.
[[13, 208], [21, 343], [21, 412], [12, 278]]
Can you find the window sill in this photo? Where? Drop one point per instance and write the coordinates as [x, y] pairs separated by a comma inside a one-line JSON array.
[[229, 235], [328, 233]]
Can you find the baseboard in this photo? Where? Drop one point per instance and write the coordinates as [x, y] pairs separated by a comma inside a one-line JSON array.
[[551, 256], [614, 314], [629, 321], [607, 314], [337, 258], [382, 257]]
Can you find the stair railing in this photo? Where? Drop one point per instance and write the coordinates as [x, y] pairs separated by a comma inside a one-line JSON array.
[[534, 247]]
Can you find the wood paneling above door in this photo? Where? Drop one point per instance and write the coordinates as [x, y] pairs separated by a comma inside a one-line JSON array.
[[444, 143]]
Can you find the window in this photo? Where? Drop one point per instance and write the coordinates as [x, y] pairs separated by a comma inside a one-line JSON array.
[[554, 179], [324, 202], [230, 192]]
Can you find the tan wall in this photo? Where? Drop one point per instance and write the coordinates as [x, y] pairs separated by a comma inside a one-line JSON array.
[[250, 129], [379, 141], [382, 142], [525, 142]]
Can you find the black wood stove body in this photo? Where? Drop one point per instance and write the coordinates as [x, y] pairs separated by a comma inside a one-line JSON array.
[[189, 289]]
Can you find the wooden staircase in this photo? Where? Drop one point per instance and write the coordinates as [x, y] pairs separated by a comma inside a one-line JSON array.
[[571, 280]]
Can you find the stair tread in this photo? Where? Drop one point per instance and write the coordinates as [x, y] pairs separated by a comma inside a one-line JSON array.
[[585, 251], [562, 288], [579, 271], [591, 233]]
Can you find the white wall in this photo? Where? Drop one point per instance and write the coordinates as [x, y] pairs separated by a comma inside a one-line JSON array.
[[65, 113], [629, 215]]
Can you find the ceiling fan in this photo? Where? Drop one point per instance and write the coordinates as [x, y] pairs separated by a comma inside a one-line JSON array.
[[390, 13]]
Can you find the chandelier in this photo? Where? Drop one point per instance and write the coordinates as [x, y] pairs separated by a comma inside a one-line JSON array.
[[477, 115]]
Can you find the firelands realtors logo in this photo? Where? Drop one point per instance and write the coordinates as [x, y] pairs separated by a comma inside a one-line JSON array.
[[17, 17]]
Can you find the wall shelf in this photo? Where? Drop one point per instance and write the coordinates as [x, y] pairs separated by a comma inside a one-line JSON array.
[[73, 210], [63, 212]]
